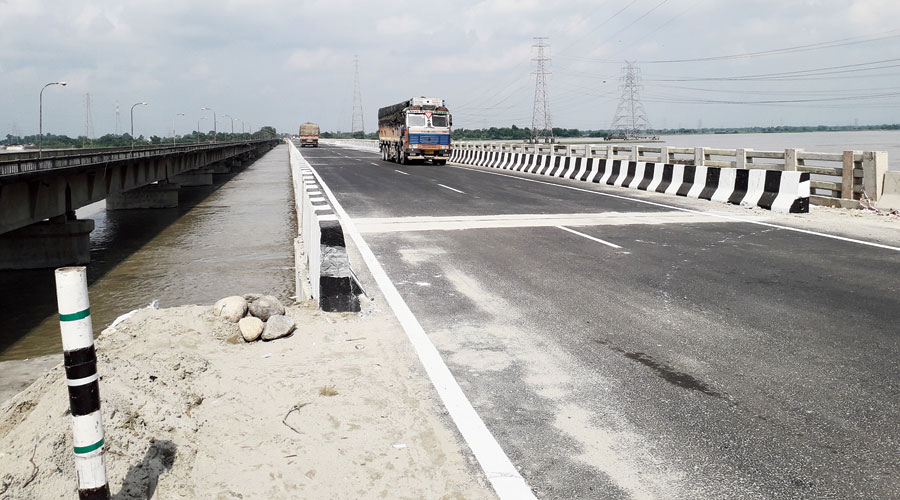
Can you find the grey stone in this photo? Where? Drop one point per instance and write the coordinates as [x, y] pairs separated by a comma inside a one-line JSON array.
[[278, 326], [231, 308], [265, 306], [251, 328]]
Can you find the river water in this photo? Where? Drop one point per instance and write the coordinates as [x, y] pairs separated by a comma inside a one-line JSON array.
[[816, 142], [232, 238]]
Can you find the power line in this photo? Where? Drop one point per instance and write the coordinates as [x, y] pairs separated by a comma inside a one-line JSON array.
[[841, 42], [630, 116], [88, 120], [356, 124], [541, 125]]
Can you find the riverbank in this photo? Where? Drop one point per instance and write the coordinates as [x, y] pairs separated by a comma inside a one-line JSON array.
[[339, 410]]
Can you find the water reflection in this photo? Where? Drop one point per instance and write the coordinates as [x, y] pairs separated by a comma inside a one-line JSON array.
[[230, 238]]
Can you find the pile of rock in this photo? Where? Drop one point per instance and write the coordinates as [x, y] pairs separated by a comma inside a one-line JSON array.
[[257, 316]]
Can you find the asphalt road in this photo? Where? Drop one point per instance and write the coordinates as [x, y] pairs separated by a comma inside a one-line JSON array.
[[618, 349]]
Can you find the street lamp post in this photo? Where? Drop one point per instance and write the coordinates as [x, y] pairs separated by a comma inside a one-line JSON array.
[[132, 121], [215, 129], [41, 117], [173, 126], [198, 128], [232, 123]]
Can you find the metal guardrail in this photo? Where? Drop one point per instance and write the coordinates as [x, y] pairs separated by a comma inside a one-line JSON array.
[[70, 158]]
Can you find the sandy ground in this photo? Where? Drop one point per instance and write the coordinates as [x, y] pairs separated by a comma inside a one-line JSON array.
[[339, 410]]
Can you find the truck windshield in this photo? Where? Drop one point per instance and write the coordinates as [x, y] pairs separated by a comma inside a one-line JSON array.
[[439, 120], [415, 120]]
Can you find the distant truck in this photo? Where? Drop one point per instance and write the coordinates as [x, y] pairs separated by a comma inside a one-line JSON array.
[[309, 135], [417, 129]]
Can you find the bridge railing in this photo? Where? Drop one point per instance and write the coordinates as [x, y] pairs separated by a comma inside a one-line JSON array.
[[838, 179], [70, 158]]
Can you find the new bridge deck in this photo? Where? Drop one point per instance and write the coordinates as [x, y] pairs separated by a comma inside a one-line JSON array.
[[620, 348]]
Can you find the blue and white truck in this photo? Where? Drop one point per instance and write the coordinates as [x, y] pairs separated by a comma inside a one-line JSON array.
[[416, 129]]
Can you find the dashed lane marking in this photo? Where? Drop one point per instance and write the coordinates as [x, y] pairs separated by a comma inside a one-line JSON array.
[[400, 172], [689, 210], [451, 189], [598, 240]]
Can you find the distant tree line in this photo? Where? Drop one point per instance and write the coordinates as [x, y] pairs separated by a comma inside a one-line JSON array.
[[515, 133], [52, 141], [348, 135]]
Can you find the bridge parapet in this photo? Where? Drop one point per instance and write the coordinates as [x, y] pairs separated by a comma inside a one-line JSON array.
[[837, 179], [18, 164]]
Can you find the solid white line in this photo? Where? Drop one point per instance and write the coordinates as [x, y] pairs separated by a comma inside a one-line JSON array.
[[598, 240], [504, 478], [451, 189], [689, 210], [400, 172]]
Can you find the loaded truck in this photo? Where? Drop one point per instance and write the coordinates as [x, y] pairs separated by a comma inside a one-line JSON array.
[[416, 129], [309, 135]]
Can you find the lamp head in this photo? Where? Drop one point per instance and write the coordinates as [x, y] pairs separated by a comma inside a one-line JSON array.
[[62, 83]]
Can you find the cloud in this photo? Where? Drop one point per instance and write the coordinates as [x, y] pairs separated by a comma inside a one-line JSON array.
[[315, 59]]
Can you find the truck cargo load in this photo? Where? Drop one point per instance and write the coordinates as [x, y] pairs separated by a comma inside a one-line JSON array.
[[415, 129], [309, 135]]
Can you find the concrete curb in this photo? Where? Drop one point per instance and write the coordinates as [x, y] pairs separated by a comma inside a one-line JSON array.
[[324, 253]]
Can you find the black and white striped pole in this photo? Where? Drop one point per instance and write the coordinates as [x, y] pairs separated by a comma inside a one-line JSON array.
[[81, 377]]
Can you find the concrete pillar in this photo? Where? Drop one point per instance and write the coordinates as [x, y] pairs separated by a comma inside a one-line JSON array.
[[699, 156], [740, 158], [198, 177], [664, 154], [791, 159], [875, 165], [47, 244], [847, 166], [221, 167], [610, 152], [635, 153], [162, 195]]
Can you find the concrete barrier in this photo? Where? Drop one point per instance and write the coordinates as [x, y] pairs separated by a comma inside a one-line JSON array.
[[320, 248], [890, 195], [780, 191]]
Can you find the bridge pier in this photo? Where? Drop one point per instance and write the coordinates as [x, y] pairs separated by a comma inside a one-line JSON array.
[[160, 195], [60, 241], [198, 177], [220, 168]]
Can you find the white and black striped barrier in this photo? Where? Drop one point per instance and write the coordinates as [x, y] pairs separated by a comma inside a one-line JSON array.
[[331, 280], [776, 190], [83, 382]]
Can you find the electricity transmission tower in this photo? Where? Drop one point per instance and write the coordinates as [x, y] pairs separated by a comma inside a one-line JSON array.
[[630, 115], [117, 117], [88, 120], [357, 122], [541, 126]]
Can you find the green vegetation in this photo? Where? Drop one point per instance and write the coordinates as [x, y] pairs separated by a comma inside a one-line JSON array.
[[348, 135], [52, 141]]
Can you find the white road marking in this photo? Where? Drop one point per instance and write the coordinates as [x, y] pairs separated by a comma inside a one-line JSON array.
[[373, 163], [689, 210], [451, 189], [462, 222], [400, 172], [598, 240], [504, 478]]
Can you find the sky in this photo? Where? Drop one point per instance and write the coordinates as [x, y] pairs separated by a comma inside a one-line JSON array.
[[709, 63]]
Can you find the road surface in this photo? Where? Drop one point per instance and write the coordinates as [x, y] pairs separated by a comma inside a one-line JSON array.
[[622, 349]]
